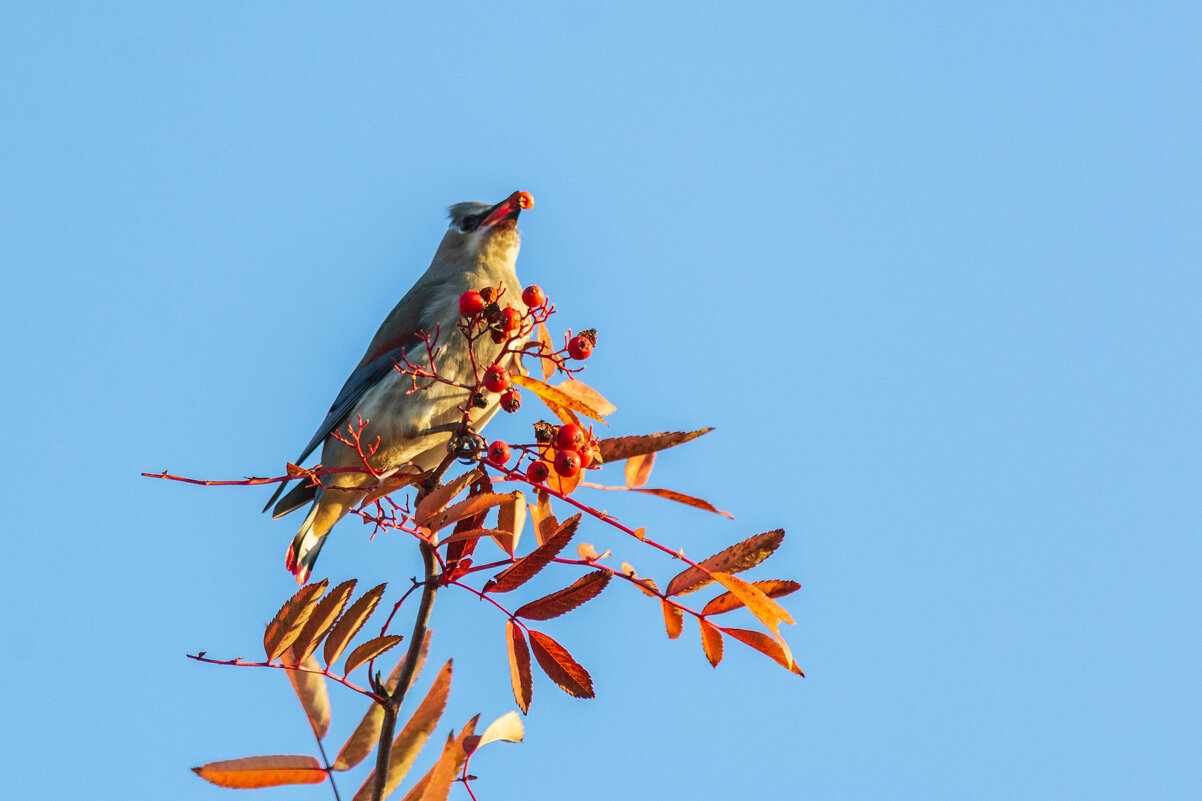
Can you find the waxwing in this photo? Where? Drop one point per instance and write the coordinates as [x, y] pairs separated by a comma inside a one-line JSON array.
[[479, 250]]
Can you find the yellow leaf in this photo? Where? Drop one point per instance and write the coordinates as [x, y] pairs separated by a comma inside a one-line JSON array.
[[638, 470], [727, 601], [768, 611], [558, 397], [507, 729], [322, 619]]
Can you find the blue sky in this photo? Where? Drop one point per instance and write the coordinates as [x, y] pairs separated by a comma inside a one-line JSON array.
[[932, 272]]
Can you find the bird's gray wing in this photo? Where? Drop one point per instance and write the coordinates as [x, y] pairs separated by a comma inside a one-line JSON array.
[[353, 390]]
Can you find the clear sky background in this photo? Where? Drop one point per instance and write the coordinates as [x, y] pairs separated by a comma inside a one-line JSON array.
[[932, 272]]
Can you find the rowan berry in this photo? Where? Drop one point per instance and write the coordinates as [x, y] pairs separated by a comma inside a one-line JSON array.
[[537, 472], [570, 437], [533, 296], [471, 303], [580, 348], [498, 452], [567, 463], [511, 319], [511, 400], [496, 379]]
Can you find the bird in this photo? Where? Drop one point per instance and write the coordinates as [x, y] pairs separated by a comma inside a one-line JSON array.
[[479, 249]]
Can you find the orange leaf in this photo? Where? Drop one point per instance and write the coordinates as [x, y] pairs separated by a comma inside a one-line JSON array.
[[263, 771], [525, 568], [617, 448], [390, 484], [727, 601], [687, 500], [365, 736], [768, 611], [413, 736], [472, 534], [370, 650], [291, 619], [519, 666], [584, 394], [322, 619], [711, 641], [472, 505], [735, 559], [558, 397], [311, 689], [511, 519], [560, 667], [765, 645], [557, 603], [545, 523], [673, 619], [438, 498], [436, 784], [638, 470], [544, 337], [349, 624]]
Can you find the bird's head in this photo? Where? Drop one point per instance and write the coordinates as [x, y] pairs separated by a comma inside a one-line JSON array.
[[487, 232]]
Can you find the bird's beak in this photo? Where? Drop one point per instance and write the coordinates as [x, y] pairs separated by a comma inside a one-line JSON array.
[[507, 209]]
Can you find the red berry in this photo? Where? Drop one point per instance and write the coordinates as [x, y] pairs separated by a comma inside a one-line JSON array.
[[511, 401], [471, 302], [496, 379], [567, 463], [586, 456], [570, 437], [580, 348], [511, 319], [498, 452], [533, 295], [537, 472]]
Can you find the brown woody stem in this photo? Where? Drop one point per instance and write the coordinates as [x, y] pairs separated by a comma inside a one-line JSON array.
[[393, 700]]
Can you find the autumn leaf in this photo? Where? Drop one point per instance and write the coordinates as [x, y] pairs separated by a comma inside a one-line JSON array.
[[507, 729], [525, 568], [638, 470], [583, 393], [768, 611], [519, 666], [311, 689], [436, 784], [673, 618], [365, 736], [735, 559], [349, 624], [472, 534], [765, 645], [370, 650], [567, 599], [388, 484], [413, 736], [438, 498], [321, 620], [544, 337], [711, 641], [574, 398], [687, 500], [469, 506], [616, 448], [291, 619], [263, 771], [727, 601], [545, 523], [511, 518], [560, 667]]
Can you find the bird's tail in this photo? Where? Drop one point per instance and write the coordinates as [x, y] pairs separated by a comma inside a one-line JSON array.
[[304, 548]]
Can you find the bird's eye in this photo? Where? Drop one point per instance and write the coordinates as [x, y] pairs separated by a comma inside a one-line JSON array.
[[469, 224]]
